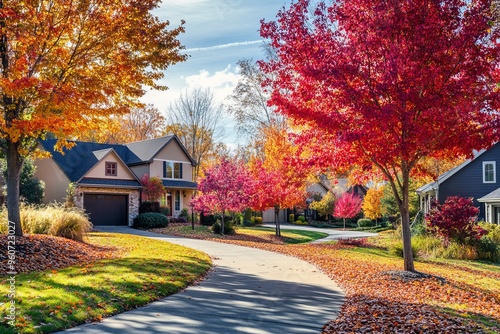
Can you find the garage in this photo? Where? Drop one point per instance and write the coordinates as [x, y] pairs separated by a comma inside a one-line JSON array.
[[106, 209]]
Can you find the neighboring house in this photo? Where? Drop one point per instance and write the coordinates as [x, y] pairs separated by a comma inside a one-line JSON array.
[[320, 187], [476, 178], [106, 176]]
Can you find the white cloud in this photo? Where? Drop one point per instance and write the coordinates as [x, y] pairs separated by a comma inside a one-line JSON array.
[[224, 46], [221, 83]]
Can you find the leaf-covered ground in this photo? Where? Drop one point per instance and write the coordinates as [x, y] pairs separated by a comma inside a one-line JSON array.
[[456, 298], [130, 271], [37, 252]]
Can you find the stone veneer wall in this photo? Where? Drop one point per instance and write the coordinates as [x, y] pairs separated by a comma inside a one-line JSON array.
[[133, 198]]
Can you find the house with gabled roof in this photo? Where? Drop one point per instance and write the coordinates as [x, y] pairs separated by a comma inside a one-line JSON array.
[[474, 178], [106, 176]]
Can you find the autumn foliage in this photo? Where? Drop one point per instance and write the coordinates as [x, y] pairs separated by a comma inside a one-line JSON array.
[[224, 187], [66, 64], [152, 187], [455, 219], [348, 205], [380, 85], [372, 206]]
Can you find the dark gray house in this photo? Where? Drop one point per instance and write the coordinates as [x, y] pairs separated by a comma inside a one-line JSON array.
[[476, 178]]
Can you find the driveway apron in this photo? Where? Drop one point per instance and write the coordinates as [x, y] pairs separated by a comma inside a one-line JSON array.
[[248, 291]]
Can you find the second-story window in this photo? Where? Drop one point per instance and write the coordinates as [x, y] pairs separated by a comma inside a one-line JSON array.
[[172, 170], [111, 168], [489, 171]]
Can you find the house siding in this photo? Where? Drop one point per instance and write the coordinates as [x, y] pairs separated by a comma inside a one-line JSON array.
[[468, 182], [99, 171], [56, 182]]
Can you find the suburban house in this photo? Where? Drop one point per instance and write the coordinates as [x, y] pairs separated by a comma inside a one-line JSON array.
[[319, 187], [474, 178], [106, 177]]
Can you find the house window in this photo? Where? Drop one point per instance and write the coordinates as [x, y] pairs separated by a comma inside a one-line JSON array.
[[489, 172], [111, 168], [177, 200], [172, 170]]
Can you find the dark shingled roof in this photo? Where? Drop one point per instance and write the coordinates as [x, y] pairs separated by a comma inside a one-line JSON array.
[[179, 184], [78, 160], [110, 182]]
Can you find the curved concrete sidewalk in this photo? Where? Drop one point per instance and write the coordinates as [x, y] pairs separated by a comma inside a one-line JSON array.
[[333, 234], [249, 291]]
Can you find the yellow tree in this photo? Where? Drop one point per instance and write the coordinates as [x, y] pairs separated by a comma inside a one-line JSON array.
[[66, 63], [279, 181], [372, 205]]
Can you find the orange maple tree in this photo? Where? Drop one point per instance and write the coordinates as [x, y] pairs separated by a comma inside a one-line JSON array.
[[279, 182], [64, 64]]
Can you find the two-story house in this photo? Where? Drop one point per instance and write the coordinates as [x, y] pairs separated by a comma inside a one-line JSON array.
[[476, 178], [106, 177]]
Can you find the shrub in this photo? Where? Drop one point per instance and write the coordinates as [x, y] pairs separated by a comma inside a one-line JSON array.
[[228, 227], [185, 214], [207, 220], [397, 250], [299, 222], [258, 220], [455, 220], [301, 219], [70, 223], [150, 220], [493, 231], [177, 220], [488, 250], [291, 218], [365, 222], [149, 206], [165, 210], [249, 223]]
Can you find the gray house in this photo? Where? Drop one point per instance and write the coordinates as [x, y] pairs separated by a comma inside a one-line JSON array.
[[476, 178]]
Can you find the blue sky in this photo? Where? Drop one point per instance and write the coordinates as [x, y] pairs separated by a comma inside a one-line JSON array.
[[218, 34]]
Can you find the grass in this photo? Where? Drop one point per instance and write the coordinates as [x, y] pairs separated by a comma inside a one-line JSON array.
[[149, 270], [289, 236]]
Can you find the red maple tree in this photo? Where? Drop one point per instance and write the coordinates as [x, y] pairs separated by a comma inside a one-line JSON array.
[[382, 84], [224, 187], [347, 206]]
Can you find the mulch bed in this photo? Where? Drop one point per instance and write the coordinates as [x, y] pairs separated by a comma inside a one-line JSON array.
[[37, 252]]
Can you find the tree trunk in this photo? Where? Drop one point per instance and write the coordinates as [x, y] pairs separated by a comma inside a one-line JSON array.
[[405, 223], [222, 224], [344, 222], [14, 166], [277, 221]]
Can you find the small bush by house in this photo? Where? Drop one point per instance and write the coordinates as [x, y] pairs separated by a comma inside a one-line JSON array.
[[150, 220], [365, 222], [228, 227], [149, 206], [258, 220]]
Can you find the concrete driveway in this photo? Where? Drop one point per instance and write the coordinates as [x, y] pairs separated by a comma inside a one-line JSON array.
[[333, 234], [249, 291]]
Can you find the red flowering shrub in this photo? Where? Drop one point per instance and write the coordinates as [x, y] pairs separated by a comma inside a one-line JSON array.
[[455, 219]]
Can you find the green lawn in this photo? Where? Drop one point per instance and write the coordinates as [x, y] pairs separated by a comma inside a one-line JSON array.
[[149, 270]]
